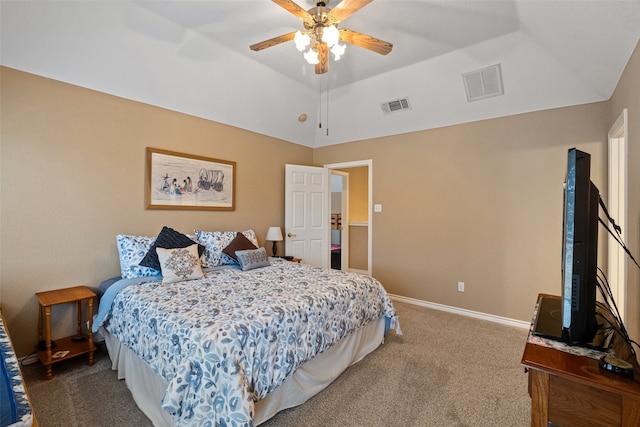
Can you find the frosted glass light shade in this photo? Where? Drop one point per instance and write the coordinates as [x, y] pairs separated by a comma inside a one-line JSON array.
[[330, 35], [301, 40], [312, 56], [338, 50]]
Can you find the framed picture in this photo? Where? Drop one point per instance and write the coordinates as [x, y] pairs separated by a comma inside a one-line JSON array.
[[184, 181]]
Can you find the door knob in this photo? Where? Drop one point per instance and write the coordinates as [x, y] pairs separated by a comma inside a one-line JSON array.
[[291, 235]]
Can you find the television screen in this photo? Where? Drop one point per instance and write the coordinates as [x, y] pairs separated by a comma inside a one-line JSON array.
[[579, 251]]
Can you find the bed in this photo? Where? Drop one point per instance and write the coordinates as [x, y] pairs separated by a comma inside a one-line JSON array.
[[236, 345], [15, 408]]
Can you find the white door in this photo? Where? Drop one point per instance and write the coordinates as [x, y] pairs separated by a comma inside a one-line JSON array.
[[306, 222]]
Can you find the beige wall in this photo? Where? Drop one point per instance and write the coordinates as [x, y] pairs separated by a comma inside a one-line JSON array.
[[358, 193], [72, 173], [479, 203], [627, 95], [358, 247], [358, 212]]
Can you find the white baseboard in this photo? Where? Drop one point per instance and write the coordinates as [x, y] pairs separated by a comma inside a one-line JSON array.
[[476, 314]]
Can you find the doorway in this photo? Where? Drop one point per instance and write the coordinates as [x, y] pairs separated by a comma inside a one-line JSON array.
[[356, 210]]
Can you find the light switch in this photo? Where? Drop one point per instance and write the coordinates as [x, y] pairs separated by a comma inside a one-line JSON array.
[[377, 208]]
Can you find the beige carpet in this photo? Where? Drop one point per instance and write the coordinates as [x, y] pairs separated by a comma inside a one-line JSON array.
[[446, 370]]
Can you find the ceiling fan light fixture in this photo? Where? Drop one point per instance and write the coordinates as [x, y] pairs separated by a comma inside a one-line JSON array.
[[330, 35], [301, 40], [312, 56], [321, 34]]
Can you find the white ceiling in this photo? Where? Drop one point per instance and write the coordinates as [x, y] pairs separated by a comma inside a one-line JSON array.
[[194, 57]]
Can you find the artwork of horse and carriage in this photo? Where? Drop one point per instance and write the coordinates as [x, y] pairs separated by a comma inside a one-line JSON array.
[[184, 181]]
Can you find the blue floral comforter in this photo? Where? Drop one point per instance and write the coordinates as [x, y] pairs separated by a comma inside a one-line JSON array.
[[223, 342]]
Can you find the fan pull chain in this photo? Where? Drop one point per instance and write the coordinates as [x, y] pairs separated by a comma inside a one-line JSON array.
[[327, 90], [320, 107]]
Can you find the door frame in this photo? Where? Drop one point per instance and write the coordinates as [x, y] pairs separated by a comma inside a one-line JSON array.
[[618, 209], [369, 165]]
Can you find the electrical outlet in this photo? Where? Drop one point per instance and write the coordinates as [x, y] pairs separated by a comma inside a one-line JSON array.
[[460, 286]]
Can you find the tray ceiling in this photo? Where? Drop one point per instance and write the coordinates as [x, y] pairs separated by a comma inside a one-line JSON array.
[[194, 57]]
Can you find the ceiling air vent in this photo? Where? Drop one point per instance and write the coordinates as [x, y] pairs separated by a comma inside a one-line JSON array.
[[484, 83], [396, 105]]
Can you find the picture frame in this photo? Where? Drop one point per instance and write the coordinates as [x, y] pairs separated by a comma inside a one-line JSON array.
[[186, 181]]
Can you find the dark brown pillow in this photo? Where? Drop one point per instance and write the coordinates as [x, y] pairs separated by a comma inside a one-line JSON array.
[[239, 243]]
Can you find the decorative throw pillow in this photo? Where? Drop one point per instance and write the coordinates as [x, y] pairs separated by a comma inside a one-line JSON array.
[[239, 243], [180, 264], [167, 239], [131, 250], [251, 236], [215, 241], [252, 258]]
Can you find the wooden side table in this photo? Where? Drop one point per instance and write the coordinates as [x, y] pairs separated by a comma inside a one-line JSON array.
[[68, 347]]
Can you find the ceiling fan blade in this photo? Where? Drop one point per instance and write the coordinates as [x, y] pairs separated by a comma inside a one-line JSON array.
[[376, 45], [273, 42], [293, 8], [346, 8], [323, 55]]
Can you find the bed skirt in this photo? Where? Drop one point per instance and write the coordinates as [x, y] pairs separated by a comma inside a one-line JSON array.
[[312, 377]]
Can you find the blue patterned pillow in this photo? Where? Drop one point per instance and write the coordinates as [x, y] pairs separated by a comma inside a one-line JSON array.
[[252, 258], [180, 264], [214, 243], [132, 250]]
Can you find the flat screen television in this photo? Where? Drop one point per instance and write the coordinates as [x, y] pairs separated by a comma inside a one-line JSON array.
[[579, 251]]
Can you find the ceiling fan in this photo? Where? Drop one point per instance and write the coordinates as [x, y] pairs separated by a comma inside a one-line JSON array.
[[321, 32]]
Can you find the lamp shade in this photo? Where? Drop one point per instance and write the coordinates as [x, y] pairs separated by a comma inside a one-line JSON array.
[[274, 234]]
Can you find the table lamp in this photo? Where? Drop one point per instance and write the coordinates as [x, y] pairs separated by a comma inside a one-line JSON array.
[[274, 234]]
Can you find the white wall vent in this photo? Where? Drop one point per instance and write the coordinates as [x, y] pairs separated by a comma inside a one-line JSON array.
[[396, 105], [484, 83]]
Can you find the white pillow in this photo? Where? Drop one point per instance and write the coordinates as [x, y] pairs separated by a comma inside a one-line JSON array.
[[180, 264]]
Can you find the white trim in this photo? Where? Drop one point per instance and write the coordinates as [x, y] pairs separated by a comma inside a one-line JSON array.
[[358, 224], [618, 209], [463, 312], [369, 165]]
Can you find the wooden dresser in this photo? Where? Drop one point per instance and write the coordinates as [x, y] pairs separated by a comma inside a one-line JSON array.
[[570, 390]]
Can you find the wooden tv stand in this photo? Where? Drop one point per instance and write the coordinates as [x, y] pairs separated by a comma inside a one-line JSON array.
[[569, 390]]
